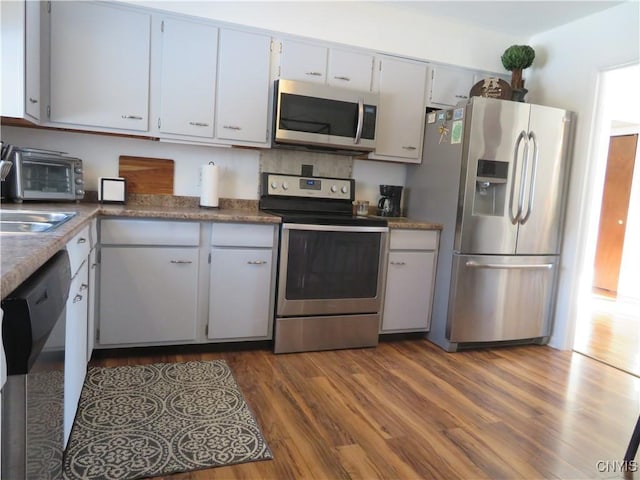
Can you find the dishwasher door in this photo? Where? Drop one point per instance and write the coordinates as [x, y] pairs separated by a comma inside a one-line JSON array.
[[33, 333]]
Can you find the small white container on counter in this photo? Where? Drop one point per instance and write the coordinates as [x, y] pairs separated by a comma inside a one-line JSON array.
[[112, 190]]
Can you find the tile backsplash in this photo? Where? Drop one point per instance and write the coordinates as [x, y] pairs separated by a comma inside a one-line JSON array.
[[291, 161]]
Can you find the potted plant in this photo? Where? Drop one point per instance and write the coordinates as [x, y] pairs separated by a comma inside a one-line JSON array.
[[515, 59]]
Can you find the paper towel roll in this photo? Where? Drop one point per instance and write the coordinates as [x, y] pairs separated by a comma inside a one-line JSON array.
[[209, 186]]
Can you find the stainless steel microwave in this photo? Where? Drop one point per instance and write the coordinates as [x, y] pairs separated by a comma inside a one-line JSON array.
[[321, 117], [44, 175]]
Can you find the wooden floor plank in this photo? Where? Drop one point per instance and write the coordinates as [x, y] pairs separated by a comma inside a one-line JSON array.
[[408, 410]]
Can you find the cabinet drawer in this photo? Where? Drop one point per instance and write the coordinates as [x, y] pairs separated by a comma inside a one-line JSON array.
[[78, 248], [149, 232], [413, 240], [242, 235]]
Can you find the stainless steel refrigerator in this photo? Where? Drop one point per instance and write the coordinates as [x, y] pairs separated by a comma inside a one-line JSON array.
[[494, 174]]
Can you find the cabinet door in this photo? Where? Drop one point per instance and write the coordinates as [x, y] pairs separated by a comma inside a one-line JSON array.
[[409, 291], [243, 86], [99, 65], [401, 114], [20, 59], [350, 70], [32, 60], [240, 296], [148, 294], [303, 61], [75, 359], [188, 78], [91, 303], [449, 86]]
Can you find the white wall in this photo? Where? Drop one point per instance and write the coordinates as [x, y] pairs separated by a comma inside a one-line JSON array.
[[569, 61]]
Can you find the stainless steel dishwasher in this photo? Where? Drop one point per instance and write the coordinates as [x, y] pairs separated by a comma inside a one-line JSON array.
[[33, 335]]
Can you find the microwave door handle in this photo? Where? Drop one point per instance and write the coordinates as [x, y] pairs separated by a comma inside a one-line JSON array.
[[360, 120]]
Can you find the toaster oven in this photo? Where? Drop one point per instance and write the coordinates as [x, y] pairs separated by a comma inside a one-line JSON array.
[[44, 175]]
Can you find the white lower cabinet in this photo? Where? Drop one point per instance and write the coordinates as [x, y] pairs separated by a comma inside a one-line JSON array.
[[75, 359], [75, 364], [148, 281], [411, 268], [148, 294], [241, 282], [240, 293], [178, 282]]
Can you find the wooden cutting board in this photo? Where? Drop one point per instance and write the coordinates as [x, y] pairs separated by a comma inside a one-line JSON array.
[[147, 175]]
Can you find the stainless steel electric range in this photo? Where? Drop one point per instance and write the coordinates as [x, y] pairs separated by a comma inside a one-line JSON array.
[[331, 264]]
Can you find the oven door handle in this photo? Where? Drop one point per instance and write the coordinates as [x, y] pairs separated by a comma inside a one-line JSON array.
[[333, 228]]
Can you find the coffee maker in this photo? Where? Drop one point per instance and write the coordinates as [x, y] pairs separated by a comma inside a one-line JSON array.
[[390, 205]]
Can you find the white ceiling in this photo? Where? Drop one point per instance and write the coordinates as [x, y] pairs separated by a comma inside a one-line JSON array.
[[516, 17]]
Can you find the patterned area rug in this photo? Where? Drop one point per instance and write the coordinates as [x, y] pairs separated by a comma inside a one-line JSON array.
[[152, 420]]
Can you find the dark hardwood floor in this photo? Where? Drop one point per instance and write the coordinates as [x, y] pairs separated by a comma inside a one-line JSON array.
[[408, 410]]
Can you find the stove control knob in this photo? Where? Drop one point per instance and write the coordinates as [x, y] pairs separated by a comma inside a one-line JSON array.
[[344, 189], [285, 186], [334, 189], [274, 185]]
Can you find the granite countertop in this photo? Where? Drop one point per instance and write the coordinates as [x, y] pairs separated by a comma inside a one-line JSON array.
[[22, 254]]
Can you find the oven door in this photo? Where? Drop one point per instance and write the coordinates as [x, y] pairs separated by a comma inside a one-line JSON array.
[[330, 269]]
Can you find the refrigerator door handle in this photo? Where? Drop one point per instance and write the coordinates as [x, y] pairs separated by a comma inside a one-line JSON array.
[[532, 185], [503, 266], [516, 218]]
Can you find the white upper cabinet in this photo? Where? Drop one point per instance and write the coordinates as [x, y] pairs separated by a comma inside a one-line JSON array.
[[449, 85], [303, 61], [350, 69], [20, 40], [100, 65], [188, 78], [401, 85], [242, 109], [332, 66]]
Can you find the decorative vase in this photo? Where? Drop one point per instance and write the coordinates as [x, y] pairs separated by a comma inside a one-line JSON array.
[[517, 94]]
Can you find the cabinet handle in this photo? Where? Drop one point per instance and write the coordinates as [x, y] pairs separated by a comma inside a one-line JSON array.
[[398, 263], [461, 96], [256, 262], [82, 240], [231, 127], [314, 74], [408, 147], [83, 287], [77, 298], [181, 262], [346, 79], [199, 124], [132, 117], [33, 100]]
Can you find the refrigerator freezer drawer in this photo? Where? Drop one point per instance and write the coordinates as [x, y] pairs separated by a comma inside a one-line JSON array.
[[496, 298]]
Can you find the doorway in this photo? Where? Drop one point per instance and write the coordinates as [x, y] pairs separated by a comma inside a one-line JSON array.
[[608, 328]]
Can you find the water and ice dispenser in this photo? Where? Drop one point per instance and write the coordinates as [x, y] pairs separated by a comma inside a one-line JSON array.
[[491, 187]]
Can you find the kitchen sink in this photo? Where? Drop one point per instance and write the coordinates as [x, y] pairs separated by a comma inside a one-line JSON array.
[[28, 221]]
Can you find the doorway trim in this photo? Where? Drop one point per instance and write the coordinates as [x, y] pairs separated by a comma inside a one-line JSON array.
[[591, 196]]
